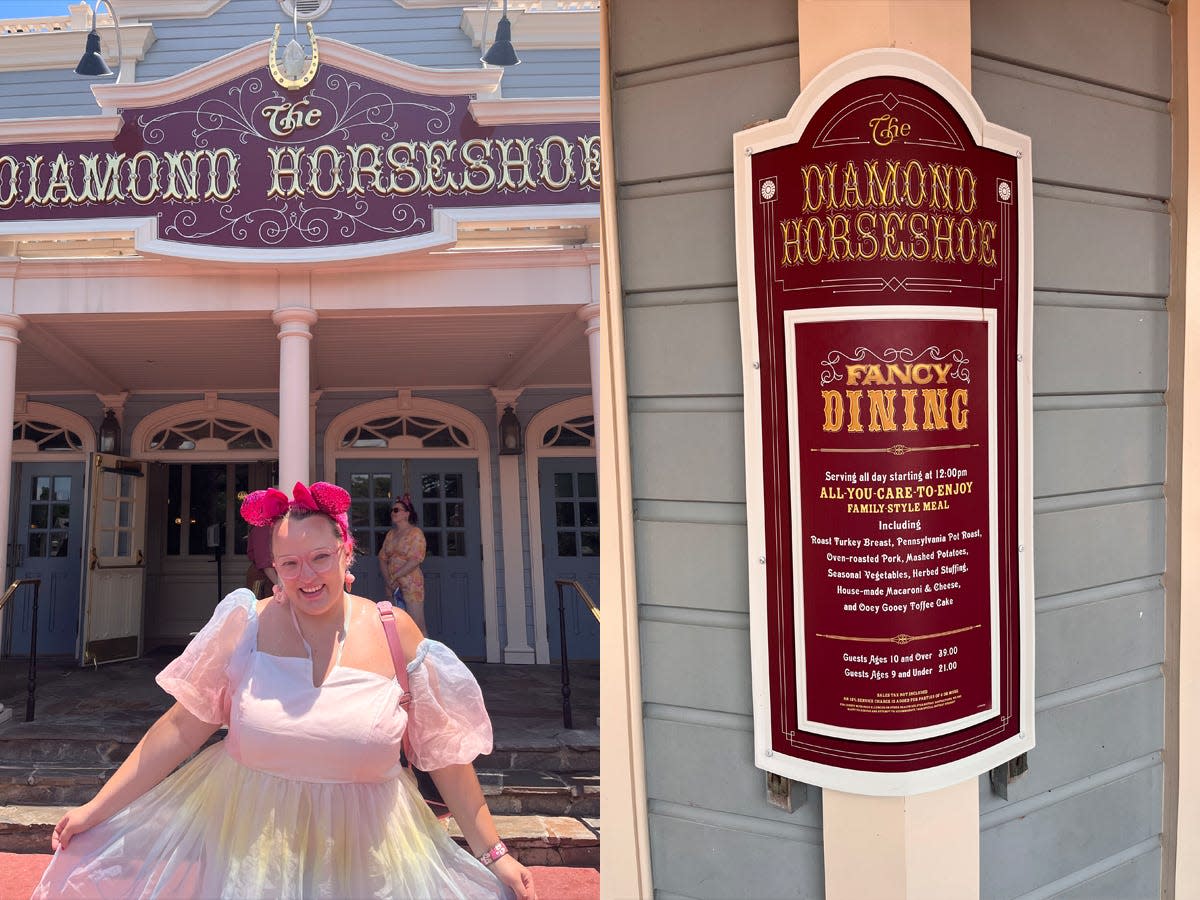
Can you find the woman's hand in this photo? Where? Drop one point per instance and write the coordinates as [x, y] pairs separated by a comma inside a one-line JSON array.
[[76, 821], [518, 878]]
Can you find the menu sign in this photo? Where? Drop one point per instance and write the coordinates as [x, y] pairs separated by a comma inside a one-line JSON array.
[[885, 294], [895, 494]]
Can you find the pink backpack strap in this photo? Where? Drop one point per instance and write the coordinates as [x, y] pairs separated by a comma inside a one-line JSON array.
[[388, 617]]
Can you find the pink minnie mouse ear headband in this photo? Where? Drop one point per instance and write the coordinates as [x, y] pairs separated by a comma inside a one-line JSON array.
[[264, 508]]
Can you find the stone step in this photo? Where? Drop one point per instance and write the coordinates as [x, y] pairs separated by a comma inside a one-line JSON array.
[[507, 793], [546, 840], [520, 792], [51, 783], [535, 840], [86, 742]]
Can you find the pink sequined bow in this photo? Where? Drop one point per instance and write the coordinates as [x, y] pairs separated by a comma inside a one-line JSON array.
[[264, 508]]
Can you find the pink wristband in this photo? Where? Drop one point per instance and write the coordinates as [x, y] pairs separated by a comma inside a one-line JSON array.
[[494, 853]]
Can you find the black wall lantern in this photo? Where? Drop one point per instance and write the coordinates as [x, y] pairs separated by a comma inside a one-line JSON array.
[[510, 433], [92, 64], [110, 433]]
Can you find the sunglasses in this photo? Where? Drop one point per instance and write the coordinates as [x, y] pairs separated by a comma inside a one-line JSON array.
[[319, 561]]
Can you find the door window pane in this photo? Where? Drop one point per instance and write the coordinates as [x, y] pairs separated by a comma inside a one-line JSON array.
[[587, 484], [566, 543], [383, 486], [431, 517], [60, 515], [564, 485], [62, 489], [360, 485], [431, 486], [38, 544], [454, 484], [456, 543], [589, 514], [433, 544], [383, 516], [360, 513], [123, 543], [454, 515], [589, 542], [39, 516], [564, 514]]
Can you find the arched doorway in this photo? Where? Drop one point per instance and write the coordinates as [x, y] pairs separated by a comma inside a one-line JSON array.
[[50, 450], [439, 453], [206, 454], [564, 525]]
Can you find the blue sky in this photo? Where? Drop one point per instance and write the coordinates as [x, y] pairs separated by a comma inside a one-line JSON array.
[[17, 9]]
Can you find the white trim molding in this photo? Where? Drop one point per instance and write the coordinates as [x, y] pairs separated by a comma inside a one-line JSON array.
[[539, 26], [534, 110], [176, 9], [385, 69], [60, 130], [535, 451], [480, 449]]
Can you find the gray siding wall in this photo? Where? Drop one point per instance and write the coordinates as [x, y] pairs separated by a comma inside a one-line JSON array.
[[425, 37], [680, 93], [1086, 821], [1089, 81]]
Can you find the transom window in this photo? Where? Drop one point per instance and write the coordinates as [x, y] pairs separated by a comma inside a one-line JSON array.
[[211, 434], [47, 436], [405, 431], [579, 432]]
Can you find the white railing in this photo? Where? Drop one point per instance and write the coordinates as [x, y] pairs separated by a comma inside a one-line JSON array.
[[78, 19]]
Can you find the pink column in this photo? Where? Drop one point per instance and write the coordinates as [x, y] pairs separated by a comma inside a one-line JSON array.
[[590, 314], [295, 432], [9, 326]]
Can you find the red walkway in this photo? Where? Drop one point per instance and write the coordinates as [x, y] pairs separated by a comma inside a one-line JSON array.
[[19, 873]]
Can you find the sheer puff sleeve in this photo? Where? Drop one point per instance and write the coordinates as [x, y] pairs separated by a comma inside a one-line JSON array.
[[448, 724], [202, 676]]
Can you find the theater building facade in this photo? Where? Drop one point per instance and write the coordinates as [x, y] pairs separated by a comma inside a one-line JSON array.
[[296, 241], [1105, 802]]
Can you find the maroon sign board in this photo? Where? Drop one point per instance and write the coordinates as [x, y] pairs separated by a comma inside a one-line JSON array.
[[365, 155], [884, 271]]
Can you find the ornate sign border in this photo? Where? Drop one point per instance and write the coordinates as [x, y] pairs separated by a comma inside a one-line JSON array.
[[770, 754]]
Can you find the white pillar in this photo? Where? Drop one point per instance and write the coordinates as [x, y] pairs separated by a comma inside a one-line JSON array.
[[590, 314], [9, 326], [516, 646], [295, 436]]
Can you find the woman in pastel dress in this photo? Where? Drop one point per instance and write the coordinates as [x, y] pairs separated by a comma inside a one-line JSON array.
[[305, 797], [400, 560]]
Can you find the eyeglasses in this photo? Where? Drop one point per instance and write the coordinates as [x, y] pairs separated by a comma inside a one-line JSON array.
[[319, 561], [397, 509]]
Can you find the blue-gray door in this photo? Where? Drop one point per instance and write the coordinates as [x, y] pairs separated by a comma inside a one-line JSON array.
[[571, 550], [47, 546], [445, 493]]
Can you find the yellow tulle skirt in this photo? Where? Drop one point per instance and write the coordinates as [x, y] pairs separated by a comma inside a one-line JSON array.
[[217, 828]]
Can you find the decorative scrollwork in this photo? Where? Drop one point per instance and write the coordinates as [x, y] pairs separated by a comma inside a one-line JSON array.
[[894, 356], [310, 224]]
